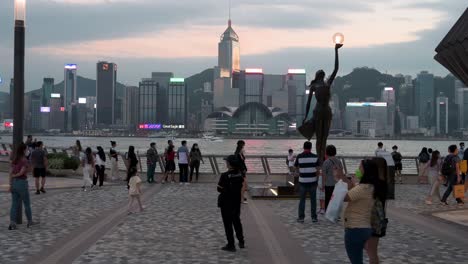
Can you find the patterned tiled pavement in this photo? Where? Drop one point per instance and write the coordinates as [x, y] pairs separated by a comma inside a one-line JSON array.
[[181, 224], [59, 214]]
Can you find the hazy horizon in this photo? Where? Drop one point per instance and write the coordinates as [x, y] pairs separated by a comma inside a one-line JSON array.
[[143, 36]]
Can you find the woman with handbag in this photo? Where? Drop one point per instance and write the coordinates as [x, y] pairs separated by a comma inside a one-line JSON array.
[[379, 207], [361, 199]]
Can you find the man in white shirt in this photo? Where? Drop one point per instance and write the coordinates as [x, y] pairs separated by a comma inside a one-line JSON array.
[[184, 160]]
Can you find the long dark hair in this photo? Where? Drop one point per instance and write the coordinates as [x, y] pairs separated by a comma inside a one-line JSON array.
[[131, 172], [371, 176], [195, 149], [78, 144], [435, 158], [381, 179], [131, 152], [101, 153], [170, 149], [89, 155], [424, 150], [20, 153], [240, 146]]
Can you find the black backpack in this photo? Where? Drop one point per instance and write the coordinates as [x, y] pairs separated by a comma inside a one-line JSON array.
[[424, 157], [448, 167]]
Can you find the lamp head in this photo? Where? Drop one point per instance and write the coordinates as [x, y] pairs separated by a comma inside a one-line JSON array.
[[338, 38], [20, 11]]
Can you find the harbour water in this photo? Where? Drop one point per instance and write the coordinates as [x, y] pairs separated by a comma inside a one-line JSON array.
[[253, 146]]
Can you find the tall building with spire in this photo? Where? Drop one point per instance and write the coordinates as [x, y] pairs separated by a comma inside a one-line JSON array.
[[229, 51], [224, 93]]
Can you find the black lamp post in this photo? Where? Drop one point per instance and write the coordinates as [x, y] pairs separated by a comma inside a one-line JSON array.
[[18, 100]]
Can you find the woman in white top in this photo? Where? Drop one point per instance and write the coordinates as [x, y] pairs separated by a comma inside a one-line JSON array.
[[88, 168], [134, 189], [432, 170], [100, 167]]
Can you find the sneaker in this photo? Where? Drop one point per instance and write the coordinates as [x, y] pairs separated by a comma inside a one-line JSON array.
[[322, 211], [12, 227], [241, 244], [42, 190], [38, 192], [32, 223], [229, 248], [244, 202], [428, 202], [300, 220], [314, 220], [443, 203]]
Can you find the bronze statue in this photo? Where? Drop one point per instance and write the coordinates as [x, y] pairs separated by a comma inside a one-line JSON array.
[[320, 122]]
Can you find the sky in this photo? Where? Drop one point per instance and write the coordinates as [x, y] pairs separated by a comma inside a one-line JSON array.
[[142, 36]]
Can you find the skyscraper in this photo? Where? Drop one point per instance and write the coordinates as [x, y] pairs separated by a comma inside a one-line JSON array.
[[361, 117], [388, 96], [424, 98], [130, 107], [35, 112], [47, 88], [152, 102], [225, 94], [229, 50], [177, 99], [297, 88], [251, 86], [442, 115], [105, 90], [462, 102], [70, 85]]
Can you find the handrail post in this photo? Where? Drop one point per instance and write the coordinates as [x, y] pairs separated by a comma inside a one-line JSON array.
[[343, 161]]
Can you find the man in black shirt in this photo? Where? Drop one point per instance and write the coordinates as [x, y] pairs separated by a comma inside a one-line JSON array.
[[452, 163], [229, 188]]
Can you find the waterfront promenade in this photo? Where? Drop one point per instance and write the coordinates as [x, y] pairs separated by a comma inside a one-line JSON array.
[[181, 224]]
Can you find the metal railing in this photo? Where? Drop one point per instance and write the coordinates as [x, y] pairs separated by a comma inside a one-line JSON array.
[[266, 165]]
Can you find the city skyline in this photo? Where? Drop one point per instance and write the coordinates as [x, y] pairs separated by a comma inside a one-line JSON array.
[[268, 35]]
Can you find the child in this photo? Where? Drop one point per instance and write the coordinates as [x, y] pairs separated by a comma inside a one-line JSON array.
[[134, 189]]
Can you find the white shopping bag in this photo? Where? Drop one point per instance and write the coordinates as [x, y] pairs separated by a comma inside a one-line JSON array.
[[336, 203]]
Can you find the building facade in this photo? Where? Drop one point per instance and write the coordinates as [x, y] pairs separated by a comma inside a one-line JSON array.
[[106, 73], [177, 102], [297, 88], [442, 116], [250, 86], [462, 103], [424, 99], [47, 89], [363, 115], [130, 107]]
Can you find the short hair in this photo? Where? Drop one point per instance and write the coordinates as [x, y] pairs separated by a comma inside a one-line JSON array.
[[330, 151], [152, 144], [308, 145], [462, 143], [452, 148], [184, 142], [380, 144], [39, 144], [290, 151], [169, 141], [395, 147]]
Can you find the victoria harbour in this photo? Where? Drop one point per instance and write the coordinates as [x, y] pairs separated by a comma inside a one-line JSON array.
[[345, 147]]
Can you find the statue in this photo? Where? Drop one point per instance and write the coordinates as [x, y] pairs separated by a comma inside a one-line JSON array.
[[320, 122]]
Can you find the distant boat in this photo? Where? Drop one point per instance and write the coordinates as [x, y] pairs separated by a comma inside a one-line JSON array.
[[212, 137]]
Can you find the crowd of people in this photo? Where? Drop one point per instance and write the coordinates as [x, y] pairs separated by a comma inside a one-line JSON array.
[[368, 187]]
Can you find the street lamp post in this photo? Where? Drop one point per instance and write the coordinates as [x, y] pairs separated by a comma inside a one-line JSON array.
[[18, 99]]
